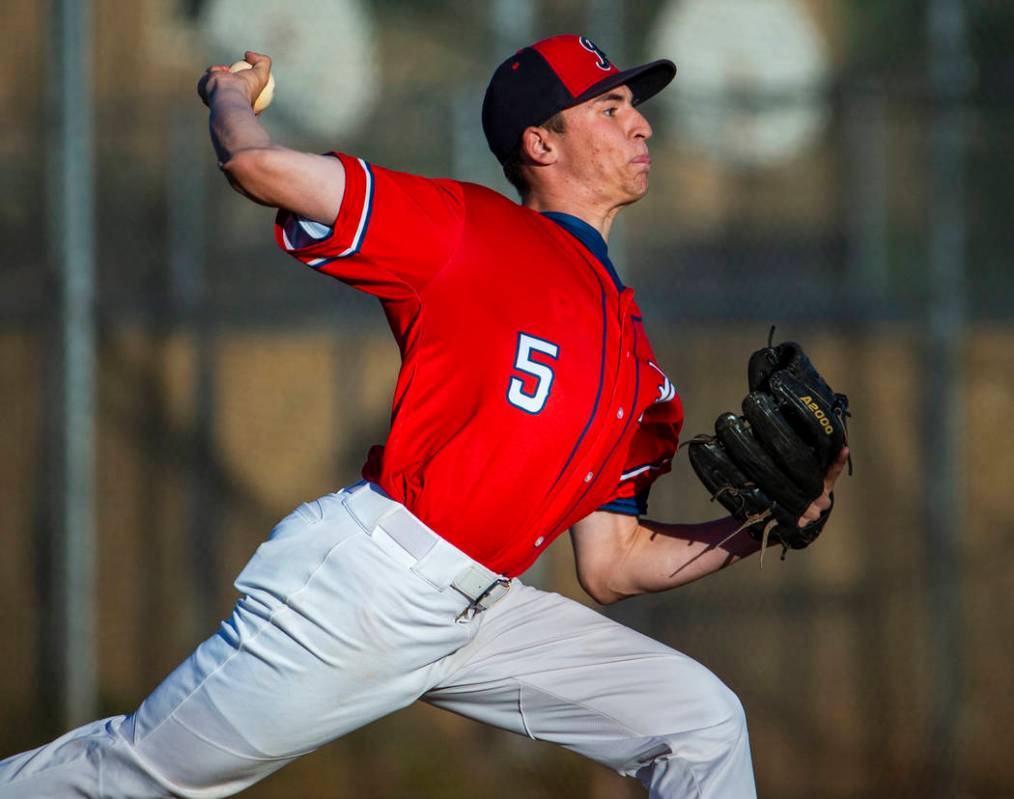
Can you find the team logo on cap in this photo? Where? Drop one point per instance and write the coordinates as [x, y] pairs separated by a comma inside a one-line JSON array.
[[603, 62]]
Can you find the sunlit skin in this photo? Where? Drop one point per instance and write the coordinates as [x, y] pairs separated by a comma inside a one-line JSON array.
[[599, 164]]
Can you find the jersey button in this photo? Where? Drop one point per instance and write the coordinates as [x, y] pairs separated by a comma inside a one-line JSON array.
[[540, 541], [588, 477], [619, 413]]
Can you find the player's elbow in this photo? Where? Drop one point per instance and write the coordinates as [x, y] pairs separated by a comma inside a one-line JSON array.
[[597, 582], [252, 172], [602, 545], [603, 596]]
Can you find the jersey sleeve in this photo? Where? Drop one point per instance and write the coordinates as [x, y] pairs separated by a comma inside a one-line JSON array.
[[649, 457], [393, 233]]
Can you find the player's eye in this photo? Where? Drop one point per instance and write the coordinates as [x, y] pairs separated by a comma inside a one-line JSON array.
[[610, 111]]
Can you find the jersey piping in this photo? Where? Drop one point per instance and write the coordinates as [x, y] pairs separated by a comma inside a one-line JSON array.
[[590, 238], [361, 227], [596, 245]]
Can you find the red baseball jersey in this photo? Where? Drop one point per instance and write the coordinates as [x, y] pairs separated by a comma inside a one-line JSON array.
[[528, 395]]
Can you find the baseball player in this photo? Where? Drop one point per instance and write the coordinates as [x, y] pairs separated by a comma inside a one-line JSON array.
[[529, 402]]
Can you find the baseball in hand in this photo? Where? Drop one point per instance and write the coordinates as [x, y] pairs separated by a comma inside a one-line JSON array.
[[267, 93]]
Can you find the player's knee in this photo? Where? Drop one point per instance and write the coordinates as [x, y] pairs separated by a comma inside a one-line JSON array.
[[725, 713], [706, 751], [710, 705], [731, 708]]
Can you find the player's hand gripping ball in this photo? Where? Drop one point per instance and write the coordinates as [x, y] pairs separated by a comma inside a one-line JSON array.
[[766, 466], [267, 93]]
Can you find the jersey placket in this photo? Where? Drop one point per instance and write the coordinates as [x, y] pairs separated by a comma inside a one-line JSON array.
[[614, 416]]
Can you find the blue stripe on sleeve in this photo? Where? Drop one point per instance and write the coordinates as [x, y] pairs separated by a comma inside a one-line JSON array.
[[628, 506]]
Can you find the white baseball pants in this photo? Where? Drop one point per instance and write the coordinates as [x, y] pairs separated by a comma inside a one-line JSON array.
[[348, 613]]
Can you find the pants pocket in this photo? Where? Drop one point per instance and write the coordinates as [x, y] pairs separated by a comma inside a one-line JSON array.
[[296, 547]]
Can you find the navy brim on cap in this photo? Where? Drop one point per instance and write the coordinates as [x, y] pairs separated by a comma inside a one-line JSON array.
[[644, 81], [552, 75]]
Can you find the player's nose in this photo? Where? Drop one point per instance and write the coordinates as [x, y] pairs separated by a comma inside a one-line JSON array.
[[640, 127]]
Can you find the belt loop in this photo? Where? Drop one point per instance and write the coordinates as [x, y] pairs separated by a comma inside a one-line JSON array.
[[435, 559], [368, 505]]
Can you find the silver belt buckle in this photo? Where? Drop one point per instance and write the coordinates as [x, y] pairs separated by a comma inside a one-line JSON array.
[[482, 598], [494, 593]]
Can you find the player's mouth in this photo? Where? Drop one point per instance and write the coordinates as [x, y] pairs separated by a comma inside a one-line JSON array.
[[642, 159]]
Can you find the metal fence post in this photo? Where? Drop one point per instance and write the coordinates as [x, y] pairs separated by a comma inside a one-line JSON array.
[[72, 233], [949, 72]]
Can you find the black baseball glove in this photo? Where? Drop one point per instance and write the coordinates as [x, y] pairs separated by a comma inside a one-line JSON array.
[[768, 465]]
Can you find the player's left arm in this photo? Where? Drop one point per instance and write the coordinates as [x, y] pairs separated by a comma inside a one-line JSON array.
[[620, 556]]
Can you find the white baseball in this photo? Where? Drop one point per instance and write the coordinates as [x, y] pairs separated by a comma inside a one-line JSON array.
[[267, 93]]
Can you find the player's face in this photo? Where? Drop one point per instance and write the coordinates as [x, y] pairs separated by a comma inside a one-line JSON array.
[[605, 147]]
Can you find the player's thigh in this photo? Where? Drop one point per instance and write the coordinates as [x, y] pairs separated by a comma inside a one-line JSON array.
[[550, 668], [330, 634]]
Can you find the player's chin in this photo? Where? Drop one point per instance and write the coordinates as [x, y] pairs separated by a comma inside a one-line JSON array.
[[638, 187]]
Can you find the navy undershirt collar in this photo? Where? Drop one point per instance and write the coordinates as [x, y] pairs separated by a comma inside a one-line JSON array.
[[589, 237]]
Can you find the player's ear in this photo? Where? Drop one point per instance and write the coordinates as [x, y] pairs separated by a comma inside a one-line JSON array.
[[537, 145]]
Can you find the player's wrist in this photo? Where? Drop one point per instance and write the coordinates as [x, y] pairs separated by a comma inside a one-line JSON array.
[[223, 92]]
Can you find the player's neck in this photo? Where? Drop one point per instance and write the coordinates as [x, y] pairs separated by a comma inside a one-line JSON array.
[[598, 217]]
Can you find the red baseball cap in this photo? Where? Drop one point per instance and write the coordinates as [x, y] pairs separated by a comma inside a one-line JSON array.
[[551, 75]]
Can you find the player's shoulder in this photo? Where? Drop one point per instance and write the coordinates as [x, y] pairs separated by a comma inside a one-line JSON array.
[[484, 194], [407, 179], [485, 201], [481, 205], [470, 192]]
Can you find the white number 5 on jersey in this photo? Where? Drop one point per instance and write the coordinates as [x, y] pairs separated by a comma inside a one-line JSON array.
[[535, 401]]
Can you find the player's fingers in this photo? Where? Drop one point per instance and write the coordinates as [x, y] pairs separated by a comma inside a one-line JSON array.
[[259, 60], [811, 515], [835, 469], [815, 509], [821, 503], [202, 83]]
